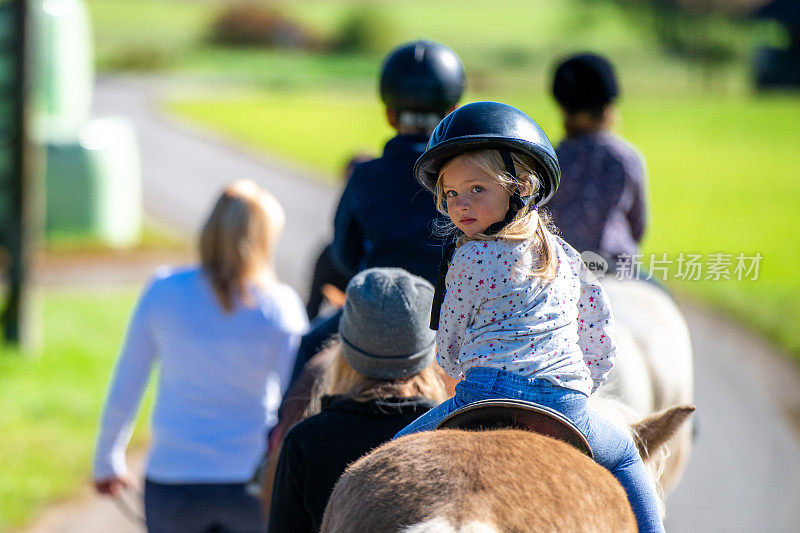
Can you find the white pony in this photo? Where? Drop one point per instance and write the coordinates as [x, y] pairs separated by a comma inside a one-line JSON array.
[[654, 368]]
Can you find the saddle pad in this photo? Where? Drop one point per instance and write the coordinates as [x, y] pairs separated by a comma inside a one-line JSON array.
[[517, 414]]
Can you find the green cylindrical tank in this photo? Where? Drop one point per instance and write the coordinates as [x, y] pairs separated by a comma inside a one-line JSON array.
[[63, 70], [93, 186], [8, 32]]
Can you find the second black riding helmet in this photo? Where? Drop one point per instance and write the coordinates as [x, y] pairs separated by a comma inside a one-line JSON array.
[[493, 126], [422, 76]]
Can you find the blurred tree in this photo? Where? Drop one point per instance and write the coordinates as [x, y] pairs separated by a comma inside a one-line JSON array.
[[779, 67], [367, 31], [707, 33], [251, 24]]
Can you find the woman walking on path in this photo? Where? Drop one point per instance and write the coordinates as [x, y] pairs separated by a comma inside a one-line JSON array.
[[225, 334]]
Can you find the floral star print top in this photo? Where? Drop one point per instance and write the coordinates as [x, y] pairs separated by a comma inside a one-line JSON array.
[[496, 316]]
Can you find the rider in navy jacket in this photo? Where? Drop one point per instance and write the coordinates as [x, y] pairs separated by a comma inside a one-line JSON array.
[[384, 219]]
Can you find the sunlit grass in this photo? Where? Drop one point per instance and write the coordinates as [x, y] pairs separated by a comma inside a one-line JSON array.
[[318, 130], [50, 404], [724, 179], [142, 34], [147, 34]]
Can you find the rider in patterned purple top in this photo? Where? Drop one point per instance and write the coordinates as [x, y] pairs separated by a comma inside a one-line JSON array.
[[601, 203]]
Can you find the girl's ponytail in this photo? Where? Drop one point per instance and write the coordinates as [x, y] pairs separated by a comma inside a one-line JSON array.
[[548, 260]]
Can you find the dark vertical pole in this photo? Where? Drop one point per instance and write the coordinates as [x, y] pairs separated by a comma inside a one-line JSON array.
[[21, 221]]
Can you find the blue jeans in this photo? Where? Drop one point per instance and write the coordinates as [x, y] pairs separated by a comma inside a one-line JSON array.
[[201, 507], [612, 448]]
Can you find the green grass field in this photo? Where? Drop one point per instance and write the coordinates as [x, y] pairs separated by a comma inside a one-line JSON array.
[[50, 404]]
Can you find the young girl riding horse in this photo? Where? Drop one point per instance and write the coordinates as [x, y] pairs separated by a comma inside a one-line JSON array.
[[521, 317]]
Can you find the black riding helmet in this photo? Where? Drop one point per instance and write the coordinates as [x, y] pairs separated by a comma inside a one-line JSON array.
[[422, 76], [585, 82], [490, 125]]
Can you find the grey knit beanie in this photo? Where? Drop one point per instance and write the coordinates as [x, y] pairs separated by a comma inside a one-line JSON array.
[[384, 327]]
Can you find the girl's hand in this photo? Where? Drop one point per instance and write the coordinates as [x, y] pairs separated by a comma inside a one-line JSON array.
[[113, 486]]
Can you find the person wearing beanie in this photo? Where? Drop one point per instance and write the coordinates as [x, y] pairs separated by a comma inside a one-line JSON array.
[[601, 205], [420, 82], [381, 378]]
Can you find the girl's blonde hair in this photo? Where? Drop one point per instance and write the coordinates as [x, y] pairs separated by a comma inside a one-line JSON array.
[[238, 240], [342, 379], [528, 225]]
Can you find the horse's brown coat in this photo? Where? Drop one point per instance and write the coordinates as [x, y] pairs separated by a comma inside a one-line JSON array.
[[514, 480]]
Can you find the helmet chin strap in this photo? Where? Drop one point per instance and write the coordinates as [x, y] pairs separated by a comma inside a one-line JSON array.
[[516, 202]]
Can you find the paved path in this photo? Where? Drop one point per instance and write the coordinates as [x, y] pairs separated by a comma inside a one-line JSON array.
[[184, 172], [744, 471]]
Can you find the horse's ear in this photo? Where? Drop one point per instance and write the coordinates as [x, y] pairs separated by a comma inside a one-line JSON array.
[[335, 296], [654, 430]]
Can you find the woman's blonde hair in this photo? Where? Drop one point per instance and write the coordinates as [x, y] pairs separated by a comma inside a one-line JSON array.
[[342, 379], [238, 240], [528, 225]]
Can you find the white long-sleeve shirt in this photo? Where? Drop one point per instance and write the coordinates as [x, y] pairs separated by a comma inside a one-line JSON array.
[[221, 379], [495, 316]]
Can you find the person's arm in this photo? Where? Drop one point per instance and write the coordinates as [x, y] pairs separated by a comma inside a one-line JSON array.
[[317, 281], [637, 215], [122, 402], [288, 338], [595, 329], [287, 511], [347, 248]]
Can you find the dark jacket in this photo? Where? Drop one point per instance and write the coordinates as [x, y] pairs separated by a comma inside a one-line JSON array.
[[313, 342], [385, 217], [325, 273], [317, 450]]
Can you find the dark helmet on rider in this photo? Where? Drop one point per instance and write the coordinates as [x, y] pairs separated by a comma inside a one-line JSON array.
[[422, 76], [585, 82], [493, 126]]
